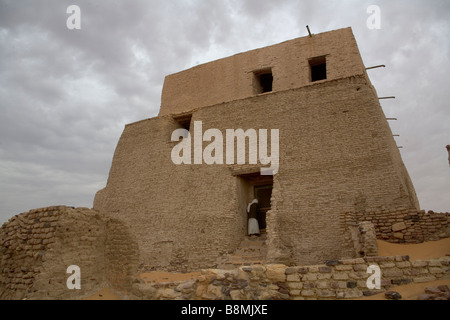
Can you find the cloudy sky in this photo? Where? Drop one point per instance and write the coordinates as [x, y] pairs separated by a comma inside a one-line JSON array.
[[65, 95]]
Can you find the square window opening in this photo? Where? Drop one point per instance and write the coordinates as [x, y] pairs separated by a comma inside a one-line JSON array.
[[264, 81], [318, 67], [184, 121]]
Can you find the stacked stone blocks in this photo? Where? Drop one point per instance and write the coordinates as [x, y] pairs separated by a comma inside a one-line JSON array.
[[334, 280], [404, 225]]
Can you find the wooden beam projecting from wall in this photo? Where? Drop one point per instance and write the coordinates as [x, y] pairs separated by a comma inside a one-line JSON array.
[[309, 32], [379, 66], [391, 118], [391, 97]]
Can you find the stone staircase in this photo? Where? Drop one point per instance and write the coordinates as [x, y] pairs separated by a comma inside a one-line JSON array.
[[252, 250]]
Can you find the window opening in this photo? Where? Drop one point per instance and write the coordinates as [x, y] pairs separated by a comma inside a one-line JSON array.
[[318, 68]]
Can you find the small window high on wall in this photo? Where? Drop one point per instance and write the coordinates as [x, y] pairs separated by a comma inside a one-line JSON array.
[[184, 120], [318, 67], [263, 81]]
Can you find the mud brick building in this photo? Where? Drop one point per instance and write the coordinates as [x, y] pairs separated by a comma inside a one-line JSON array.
[[340, 185], [336, 155]]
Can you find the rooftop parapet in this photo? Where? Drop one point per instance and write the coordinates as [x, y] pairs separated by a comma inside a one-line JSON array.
[[287, 65]]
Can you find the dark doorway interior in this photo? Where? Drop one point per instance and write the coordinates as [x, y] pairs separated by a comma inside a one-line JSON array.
[[254, 185], [318, 67], [263, 194], [184, 120], [263, 81]]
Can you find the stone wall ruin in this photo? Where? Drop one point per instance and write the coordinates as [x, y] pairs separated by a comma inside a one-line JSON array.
[[38, 246]]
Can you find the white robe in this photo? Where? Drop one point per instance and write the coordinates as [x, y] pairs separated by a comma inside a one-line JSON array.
[[253, 226]]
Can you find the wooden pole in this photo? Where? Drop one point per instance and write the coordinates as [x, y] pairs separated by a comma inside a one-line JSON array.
[[379, 66]]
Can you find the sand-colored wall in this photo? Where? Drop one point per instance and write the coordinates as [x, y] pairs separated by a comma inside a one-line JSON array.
[[337, 154], [38, 246], [182, 216], [121, 255], [232, 78]]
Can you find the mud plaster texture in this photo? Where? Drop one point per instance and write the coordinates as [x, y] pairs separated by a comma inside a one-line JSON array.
[[337, 154]]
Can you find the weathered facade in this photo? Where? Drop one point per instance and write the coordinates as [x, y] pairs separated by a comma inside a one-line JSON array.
[[336, 155]]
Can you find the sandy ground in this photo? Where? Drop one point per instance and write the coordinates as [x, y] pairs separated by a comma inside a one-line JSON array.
[[421, 251], [155, 276], [427, 250], [409, 291], [104, 294]]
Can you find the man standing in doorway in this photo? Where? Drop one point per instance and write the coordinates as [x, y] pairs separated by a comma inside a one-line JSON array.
[[252, 211]]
